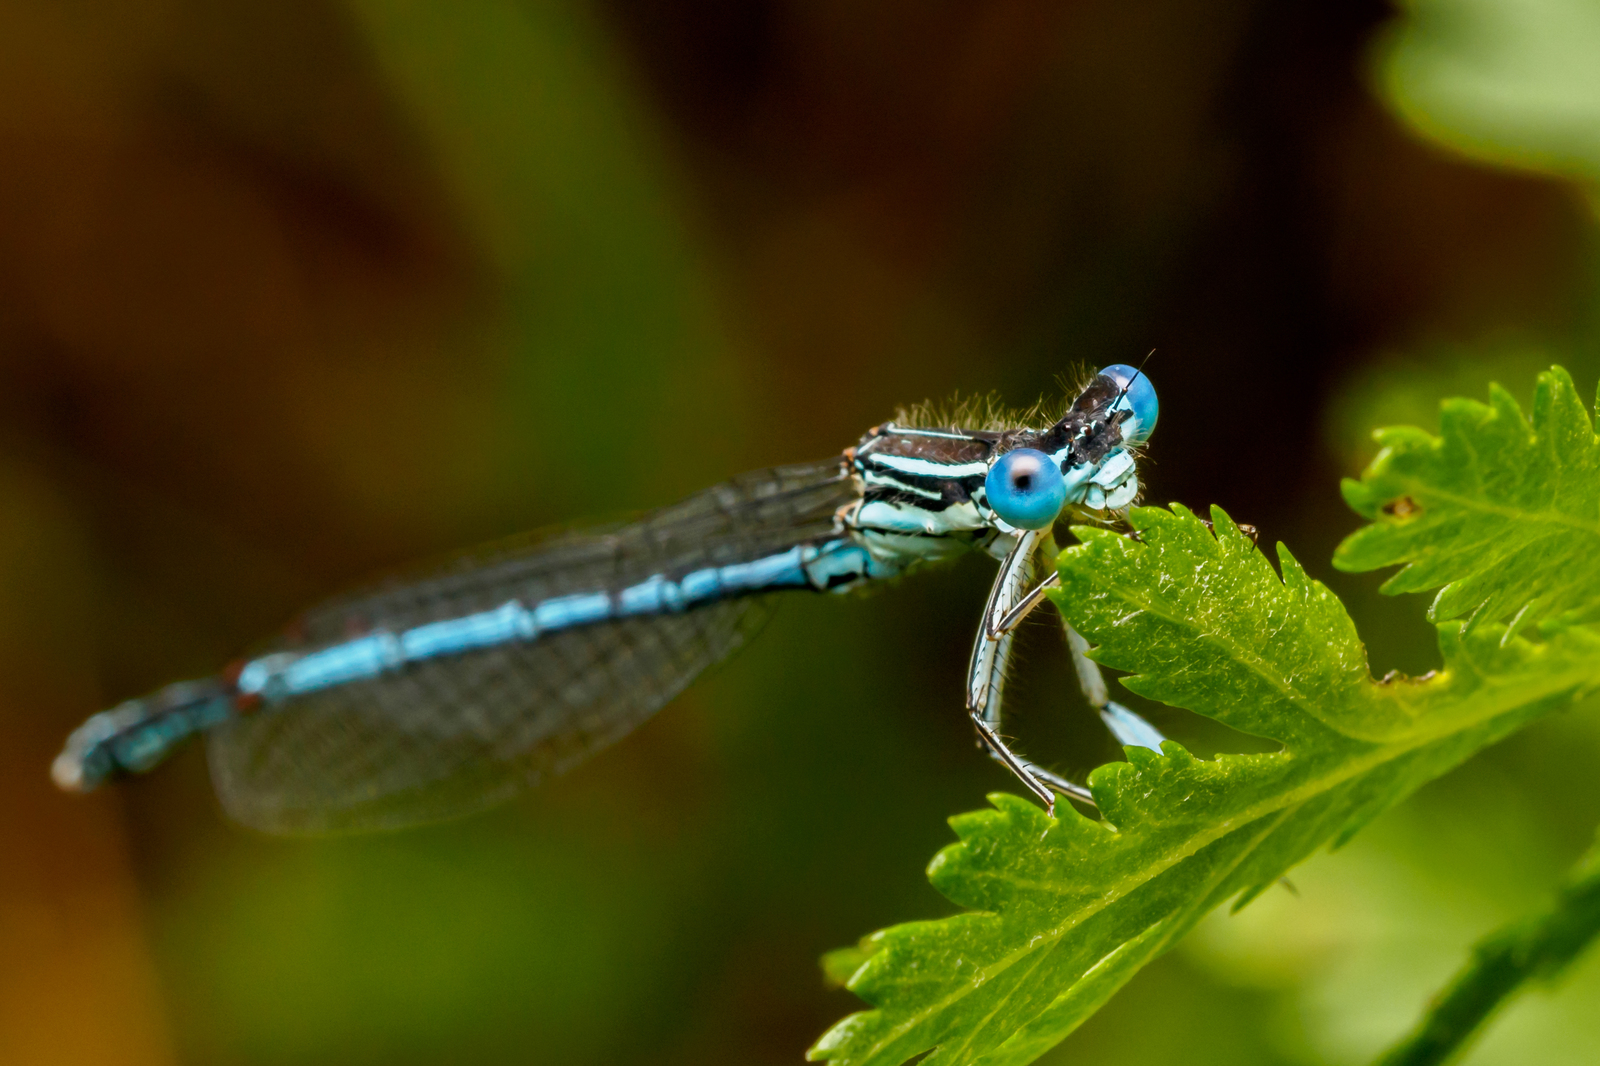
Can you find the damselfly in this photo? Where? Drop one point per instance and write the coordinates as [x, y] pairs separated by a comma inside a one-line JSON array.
[[431, 698]]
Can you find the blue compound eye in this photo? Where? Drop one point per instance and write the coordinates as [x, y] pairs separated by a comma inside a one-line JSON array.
[[1025, 487], [1139, 396]]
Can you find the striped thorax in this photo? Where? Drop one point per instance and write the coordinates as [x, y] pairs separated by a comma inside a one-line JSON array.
[[925, 492]]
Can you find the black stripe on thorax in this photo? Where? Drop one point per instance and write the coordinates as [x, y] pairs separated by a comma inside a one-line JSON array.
[[950, 493]]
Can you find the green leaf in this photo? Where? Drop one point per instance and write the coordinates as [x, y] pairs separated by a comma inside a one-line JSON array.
[[1060, 913], [1505, 515], [1539, 947]]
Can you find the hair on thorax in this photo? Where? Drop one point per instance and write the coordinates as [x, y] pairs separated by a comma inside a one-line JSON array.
[[988, 412]]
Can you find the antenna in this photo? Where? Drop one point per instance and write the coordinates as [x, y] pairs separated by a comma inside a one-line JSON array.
[[1138, 372]]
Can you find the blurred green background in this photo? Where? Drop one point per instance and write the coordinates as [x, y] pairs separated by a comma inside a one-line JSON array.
[[292, 292]]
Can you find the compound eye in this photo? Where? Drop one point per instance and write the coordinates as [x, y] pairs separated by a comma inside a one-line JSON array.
[[1025, 487], [1138, 396]]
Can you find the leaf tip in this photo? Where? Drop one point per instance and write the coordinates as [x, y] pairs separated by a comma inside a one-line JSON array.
[[842, 964], [1019, 811], [832, 1044], [1358, 497]]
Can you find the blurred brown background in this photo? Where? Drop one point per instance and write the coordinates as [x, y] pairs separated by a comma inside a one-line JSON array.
[[294, 292]]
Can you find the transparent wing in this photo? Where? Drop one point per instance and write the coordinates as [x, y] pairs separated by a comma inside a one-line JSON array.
[[448, 736], [453, 736]]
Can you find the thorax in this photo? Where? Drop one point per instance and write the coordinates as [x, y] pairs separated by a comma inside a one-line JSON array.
[[922, 493]]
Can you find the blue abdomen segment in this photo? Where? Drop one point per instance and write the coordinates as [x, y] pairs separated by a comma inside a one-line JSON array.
[[134, 736], [825, 567]]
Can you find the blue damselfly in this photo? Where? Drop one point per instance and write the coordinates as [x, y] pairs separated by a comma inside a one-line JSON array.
[[430, 698]]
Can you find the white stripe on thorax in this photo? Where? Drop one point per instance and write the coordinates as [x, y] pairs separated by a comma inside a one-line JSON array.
[[910, 464]]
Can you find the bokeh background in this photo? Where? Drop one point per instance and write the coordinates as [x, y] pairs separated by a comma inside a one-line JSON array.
[[295, 291]]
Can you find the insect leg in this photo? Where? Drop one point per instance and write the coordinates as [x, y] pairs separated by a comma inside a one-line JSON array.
[[987, 669], [986, 720], [1023, 608], [1129, 729]]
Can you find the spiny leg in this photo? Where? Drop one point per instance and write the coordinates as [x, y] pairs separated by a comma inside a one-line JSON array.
[[1006, 607], [1130, 729], [1024, 607], [986, 719]]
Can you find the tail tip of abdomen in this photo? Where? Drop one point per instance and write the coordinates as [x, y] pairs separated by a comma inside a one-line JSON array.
[[134, 736], [86, 759], [71, 773]]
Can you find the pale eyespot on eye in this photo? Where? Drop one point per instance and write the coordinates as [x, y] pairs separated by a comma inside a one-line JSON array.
[[1026, 489], [1139, 397]]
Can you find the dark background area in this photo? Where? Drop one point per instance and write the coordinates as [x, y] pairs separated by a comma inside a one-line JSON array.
[[294, 293]]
